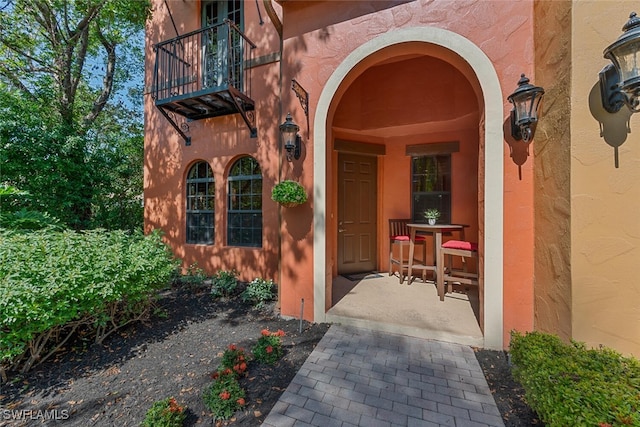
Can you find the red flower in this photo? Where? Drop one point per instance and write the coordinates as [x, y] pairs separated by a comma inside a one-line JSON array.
[[215, 375], [269, 349], [265, 333], [243, 366], [280, 333], [241, 401], [174, 407], [232, 347], [225, 395]]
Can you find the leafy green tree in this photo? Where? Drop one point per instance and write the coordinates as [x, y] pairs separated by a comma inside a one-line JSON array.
[[63, 138]]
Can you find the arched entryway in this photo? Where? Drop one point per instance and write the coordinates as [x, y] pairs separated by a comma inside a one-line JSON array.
[[442, 51]]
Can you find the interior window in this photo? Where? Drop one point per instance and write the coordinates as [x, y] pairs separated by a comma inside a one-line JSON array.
[[431, 186], [214, 12]]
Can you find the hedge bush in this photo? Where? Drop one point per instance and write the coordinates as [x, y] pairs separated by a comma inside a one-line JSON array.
[[52, 283], [570, 385]]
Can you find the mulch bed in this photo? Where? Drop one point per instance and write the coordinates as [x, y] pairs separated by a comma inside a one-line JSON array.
[[508, 394], [114, 384]]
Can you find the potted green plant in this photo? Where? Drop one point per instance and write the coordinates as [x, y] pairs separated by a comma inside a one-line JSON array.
[[289, 193], [432, 215]]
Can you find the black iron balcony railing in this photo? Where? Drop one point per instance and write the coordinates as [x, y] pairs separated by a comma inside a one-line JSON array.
[[204, 74]]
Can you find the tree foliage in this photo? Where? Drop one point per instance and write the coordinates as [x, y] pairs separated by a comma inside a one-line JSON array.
[[64, 139]]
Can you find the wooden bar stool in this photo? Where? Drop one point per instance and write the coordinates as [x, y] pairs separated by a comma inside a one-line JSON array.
[[450, 274], [399, 237]]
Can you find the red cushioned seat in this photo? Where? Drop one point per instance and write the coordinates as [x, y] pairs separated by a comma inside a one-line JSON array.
[[446, 271], [460, 244], [406, 238]]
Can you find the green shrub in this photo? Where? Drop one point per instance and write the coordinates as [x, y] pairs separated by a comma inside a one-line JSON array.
[[194, 276], [224, 396], [269, 347], [570, 385], [259, 291], [52, 283], [165, 413], [224, 283], [28, 220]]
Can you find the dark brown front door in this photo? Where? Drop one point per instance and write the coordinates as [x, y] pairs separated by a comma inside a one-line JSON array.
[[357, 212]]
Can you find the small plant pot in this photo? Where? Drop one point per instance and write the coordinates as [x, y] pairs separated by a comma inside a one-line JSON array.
[[431, 221], [290, 204]]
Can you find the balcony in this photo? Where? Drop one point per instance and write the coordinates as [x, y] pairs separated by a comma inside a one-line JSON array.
[[204, 74]]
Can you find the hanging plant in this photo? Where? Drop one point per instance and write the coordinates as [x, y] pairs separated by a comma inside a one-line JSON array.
[[289, 193]]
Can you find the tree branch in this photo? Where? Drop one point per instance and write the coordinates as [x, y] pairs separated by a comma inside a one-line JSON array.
[[107, 82], [13, 78], [76, 75]]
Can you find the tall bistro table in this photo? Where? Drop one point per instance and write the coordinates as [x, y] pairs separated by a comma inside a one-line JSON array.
[[437, 231]]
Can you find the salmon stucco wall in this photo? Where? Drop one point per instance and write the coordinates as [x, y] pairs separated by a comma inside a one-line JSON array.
[[605, 200], [218, 141], [552, 160], [319, 35]]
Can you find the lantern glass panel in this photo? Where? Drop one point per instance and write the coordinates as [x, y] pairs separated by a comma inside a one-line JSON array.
[[288, 138], [522, 106], [628, 61]]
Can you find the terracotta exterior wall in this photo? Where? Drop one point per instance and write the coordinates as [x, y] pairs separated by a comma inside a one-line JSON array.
[[219, 141], [605, 200], [319, 35], [552, 159]]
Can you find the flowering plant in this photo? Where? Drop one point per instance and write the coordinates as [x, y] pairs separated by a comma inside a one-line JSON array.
[[225, 396], [165, 413], [269, 347], [234, 359], [289, 193]]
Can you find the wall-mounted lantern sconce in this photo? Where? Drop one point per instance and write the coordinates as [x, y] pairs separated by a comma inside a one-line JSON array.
[[291, 140], [620, 81], [524, 115]]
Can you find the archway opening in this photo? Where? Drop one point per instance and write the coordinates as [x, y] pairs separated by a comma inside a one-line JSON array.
[[469, 60], [405, 137]]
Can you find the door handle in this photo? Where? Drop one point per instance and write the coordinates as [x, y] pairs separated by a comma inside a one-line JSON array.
[[341, 230]]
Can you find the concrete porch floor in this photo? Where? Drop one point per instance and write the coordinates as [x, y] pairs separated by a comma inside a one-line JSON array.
[[382, 303]]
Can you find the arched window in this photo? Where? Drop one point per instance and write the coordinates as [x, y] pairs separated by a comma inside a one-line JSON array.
[[200, 204], [244, 225]]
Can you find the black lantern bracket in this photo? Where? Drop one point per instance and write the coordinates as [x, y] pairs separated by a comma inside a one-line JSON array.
[[303, 96]]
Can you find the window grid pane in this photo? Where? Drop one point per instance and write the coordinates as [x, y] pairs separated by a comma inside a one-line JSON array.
[[431, 187], [244, 225], [200, 204]]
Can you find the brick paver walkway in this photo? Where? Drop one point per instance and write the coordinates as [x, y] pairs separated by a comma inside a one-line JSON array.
[[359, 377]]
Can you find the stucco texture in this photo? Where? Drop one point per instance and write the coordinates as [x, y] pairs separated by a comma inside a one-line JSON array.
[[552, 160], [319, 35], [605, 200]]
